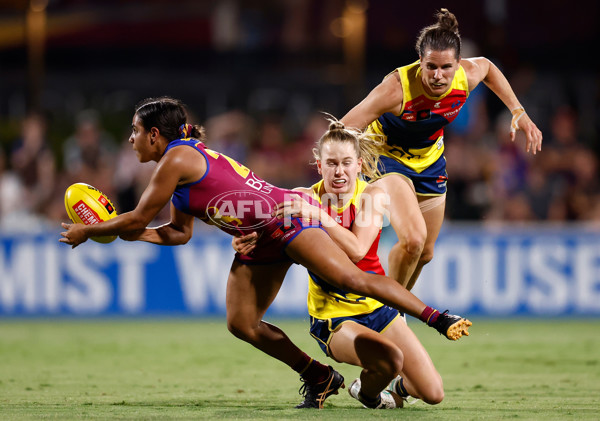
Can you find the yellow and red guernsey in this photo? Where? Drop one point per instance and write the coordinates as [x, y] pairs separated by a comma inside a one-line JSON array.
[[415, 137], [326, 301]]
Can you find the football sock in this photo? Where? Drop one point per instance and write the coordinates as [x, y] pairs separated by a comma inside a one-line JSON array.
[[429, 315], [311, 370], [369, 402], [400, 389]]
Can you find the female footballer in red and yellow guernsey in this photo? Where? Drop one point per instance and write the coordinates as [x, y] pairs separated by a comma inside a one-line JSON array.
[[352, 328], [410, 109], [199, 182]]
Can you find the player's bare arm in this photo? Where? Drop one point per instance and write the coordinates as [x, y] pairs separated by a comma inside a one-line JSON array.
[[480, 69], [368, 220], [171, 169], [385, 97], [367, 224], [177, 231], [300, 208]]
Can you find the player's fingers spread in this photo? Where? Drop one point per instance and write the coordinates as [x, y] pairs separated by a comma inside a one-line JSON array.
[[284, 204], [285, 211], [247, 238], [278, 210]]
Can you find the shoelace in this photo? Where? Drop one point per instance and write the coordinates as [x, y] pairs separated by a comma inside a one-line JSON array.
[[304, 390]]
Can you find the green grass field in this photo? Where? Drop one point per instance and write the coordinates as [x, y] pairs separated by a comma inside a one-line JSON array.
[[195, 369]]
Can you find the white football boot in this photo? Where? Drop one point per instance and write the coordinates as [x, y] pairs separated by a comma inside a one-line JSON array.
[[387, 400]]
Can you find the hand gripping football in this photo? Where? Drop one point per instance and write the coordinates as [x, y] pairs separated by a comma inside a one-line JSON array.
[[88, 205]]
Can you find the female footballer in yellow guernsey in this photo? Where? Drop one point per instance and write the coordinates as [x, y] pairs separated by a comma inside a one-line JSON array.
[[410, 108], [351, 328]]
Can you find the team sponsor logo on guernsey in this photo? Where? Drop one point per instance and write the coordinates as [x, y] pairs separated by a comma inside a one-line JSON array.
[[423, 115], [408, 115], [414, 104], [451, 113], [283, 231], [241, 210]]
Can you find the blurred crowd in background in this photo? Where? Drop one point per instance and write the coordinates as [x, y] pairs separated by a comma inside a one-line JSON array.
[[259, 75]]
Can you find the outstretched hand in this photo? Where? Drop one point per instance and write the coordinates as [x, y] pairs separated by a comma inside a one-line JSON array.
[[74, 234], [521, 121]]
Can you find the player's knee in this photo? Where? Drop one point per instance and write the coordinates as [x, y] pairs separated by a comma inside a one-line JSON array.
[[395, 362], [412, 236], [382, 358], [434, 396], [433, 393], [426, 257], [240, 330], [409, 246]]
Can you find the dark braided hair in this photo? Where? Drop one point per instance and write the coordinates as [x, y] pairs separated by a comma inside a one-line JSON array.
[[169, 116]]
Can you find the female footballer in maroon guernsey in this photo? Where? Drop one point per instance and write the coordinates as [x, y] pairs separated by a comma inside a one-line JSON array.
[[233, 198], [251, 288]]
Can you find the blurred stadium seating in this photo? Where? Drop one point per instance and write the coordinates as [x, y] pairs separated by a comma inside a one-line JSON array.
[[258, 74]]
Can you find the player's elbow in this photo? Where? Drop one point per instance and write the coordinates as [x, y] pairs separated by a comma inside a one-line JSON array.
[[182, 235], [357, 255], [185, 237], [136, 223]]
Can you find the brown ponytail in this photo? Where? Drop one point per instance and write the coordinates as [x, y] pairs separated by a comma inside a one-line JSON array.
[[443, 35]]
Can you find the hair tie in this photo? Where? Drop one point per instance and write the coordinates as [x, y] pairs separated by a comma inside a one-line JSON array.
[[185, 130]]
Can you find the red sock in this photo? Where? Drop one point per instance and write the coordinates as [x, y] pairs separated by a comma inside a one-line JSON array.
[[429, 315], [311, 370]]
